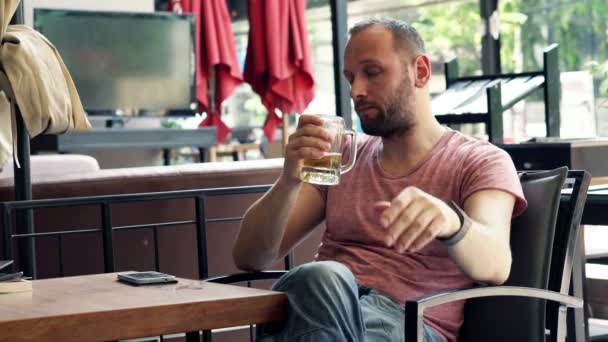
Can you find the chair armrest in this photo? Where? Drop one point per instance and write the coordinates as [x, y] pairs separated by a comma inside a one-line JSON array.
[[246, 276], [414, 308]]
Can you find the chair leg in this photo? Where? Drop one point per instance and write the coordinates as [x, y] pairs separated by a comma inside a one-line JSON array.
[[193, 336], [578, 329], [560, 333]]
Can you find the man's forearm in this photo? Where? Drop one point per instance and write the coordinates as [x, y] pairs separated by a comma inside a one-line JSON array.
[[263, 227], [483, 255]]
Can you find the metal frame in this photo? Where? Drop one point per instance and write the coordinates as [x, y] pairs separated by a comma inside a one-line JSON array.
[[493, 117], [415, 307], [9, 209]]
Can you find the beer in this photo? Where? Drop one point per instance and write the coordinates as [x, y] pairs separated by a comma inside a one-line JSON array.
[[324, 171], [327, 169]]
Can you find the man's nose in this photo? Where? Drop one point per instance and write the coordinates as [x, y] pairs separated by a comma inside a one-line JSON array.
[[358, 89]]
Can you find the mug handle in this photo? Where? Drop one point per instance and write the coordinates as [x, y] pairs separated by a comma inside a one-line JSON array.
[[353, 152]]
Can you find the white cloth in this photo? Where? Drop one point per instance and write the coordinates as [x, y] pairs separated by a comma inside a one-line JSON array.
[[7, 9], [43, 88], [6, 132], [41, 84]]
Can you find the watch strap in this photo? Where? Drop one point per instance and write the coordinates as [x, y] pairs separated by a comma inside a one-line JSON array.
[[465, 225]]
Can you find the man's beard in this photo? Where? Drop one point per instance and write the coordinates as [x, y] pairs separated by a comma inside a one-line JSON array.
[[395, 119]]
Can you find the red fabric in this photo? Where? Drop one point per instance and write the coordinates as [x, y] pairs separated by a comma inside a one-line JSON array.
[[273, 121], [278, 64], [215, 50]]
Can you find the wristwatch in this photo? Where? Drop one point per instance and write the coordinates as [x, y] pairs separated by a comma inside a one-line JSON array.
[[465, 224]]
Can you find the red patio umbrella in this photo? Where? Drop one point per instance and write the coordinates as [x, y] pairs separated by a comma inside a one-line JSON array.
[[217, 69], [278, 64]]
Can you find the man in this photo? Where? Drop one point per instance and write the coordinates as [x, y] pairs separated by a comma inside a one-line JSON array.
[[392, 230]]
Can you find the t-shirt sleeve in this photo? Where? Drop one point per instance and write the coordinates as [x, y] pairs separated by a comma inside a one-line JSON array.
[[489, 167]]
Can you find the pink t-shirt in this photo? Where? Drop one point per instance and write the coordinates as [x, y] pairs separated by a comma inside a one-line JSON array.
[[457, 167]]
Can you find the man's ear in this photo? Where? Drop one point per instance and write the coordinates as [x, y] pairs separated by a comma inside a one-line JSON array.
[[422, 65]]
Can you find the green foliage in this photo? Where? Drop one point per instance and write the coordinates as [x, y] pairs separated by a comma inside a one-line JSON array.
[[452, 30], [600, 70], [510, 37], [579, 27], [527, 27], [170, 123]]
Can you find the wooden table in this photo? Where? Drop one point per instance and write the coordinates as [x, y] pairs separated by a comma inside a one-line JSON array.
[[97, 307]]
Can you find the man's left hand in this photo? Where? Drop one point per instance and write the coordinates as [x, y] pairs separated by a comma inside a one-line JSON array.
[[414, 218]]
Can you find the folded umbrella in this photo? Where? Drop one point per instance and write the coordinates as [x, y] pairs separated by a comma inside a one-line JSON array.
[[278, 64], [217, 70]]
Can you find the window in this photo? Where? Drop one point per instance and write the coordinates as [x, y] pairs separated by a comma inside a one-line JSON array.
[[580, 28]]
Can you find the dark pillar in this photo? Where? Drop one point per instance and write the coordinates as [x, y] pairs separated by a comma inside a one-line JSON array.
[[23, 184], [490, 45], [339, 32]]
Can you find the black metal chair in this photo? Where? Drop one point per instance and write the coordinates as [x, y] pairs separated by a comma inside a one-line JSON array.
[[517, 311]]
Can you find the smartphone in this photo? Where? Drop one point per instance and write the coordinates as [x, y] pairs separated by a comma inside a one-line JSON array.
[[147, 278]]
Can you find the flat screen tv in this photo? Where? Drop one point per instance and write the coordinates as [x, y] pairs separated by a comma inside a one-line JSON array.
[[126, 63]]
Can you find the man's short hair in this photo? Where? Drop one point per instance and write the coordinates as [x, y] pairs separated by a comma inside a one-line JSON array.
[[405, 35]]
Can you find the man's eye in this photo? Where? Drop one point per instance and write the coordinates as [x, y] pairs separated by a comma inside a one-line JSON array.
[[371, 72]]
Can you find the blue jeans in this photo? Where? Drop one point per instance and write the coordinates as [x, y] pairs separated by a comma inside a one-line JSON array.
[[326, 304]]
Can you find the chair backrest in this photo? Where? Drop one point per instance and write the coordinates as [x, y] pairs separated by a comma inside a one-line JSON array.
[[532, 234]]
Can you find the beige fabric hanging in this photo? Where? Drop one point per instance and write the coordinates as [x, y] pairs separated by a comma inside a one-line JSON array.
[[6, 132], [7, 9], [41, 84]]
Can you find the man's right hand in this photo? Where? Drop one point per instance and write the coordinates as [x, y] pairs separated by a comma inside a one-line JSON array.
[[309, 141]]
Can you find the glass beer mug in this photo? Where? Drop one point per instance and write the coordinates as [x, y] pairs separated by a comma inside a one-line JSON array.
[[327, 169]]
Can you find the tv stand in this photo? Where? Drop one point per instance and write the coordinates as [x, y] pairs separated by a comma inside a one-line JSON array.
[[115, 123], [127, 138]]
